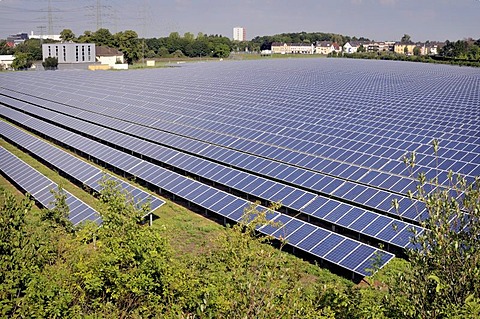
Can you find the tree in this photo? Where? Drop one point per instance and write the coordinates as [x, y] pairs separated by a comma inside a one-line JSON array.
[[103, 37], [50, 63], [22, 61], [416, 51], [406, 39], [129, 44], [33, 47], [178, 54], [163, 52], [86, 37], [361, 49], [26, 248], [67, 35], [221, 51], [5, 49], [444, 277], [405, 50]]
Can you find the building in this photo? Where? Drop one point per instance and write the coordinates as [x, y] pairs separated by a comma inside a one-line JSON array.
[[6, 61], [14, 39], [70, 52], [292, 48], [55, 37], [107, 55], [404, 48], [327, 47], [380, 46], [353, 46], [239, 34]]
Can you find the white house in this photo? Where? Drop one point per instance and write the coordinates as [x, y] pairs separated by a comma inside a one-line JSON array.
[[110, 56], [6, 61], [292, 48], [352, 46]]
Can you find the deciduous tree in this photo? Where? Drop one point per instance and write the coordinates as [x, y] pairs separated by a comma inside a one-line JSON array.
[[67, 35]]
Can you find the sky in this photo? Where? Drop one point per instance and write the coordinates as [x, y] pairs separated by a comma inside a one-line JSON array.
[[380, 20]]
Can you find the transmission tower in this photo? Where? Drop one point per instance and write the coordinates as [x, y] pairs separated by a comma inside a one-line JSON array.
[[50, 18], [42, 32], [99, 14]]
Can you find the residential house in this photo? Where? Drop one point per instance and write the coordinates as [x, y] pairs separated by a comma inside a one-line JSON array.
[[280, 48], [353, 46], [107, 55], [302, 48], [433, 48], [6, 61], [327, 47], [380, 46], [404, 48]]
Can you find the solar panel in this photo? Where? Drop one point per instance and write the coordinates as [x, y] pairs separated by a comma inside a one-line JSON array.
[[72, 165], [231, 206], [32, 181], [288, 174]]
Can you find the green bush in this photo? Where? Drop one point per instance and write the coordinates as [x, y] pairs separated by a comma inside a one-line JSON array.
[[50, 63]]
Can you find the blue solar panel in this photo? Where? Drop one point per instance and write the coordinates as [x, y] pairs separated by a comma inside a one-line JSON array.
[[70, 164], [40, 188]]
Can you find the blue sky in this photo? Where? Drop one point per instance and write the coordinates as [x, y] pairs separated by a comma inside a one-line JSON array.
[[375, 19]]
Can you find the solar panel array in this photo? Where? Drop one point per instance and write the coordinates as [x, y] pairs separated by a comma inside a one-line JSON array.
[[40, 187], [316, 135], [345, 252], [382, 228]]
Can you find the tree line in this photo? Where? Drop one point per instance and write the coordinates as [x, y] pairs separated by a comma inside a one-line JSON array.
[[203, 45]]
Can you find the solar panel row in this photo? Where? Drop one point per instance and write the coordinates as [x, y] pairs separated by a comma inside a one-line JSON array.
[[81, 171], [335, 248], [41, 187], [383, 228]]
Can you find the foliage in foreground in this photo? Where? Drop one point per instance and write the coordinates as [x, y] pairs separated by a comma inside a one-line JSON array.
[[444, 278], [125, 269]]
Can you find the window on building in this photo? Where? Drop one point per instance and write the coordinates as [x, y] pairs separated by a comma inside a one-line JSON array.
[[76, 53], [83, 53], [64, 54], [49, 51], [89, 53]]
